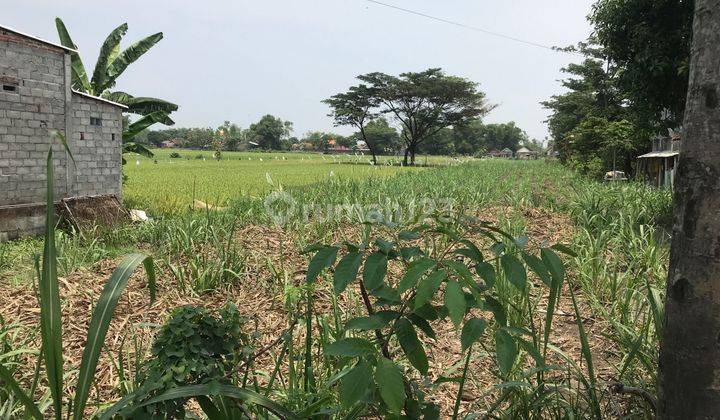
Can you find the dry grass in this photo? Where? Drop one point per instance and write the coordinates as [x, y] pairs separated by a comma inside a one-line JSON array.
[[260, 296]]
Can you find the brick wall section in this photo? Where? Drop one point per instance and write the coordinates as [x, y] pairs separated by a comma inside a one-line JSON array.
[[42, 100], [97, 153], [38, 104]]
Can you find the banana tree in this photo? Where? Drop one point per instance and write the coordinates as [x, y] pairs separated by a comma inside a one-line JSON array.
[[111, 63]]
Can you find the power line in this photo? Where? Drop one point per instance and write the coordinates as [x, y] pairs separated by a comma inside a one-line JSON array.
[[462, 25]]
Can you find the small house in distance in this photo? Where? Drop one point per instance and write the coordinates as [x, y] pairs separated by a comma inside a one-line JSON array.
[[504, 153], [171, 144], [657, 168], [525, 154], [36, 96]]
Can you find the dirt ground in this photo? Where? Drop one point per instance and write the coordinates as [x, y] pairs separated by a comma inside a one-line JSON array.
[[260, 295]]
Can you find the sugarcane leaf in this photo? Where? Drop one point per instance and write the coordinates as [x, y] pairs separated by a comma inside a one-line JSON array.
[[100, 323]]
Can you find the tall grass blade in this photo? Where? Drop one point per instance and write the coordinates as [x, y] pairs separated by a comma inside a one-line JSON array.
[[50, 321], [30, 407], [189, 391], [100, 322], [587, 355]]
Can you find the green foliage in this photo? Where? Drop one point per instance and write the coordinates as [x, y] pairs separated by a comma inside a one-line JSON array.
[[269, 132], [193, 347], [650, 42], [424, 103], [111, 63], [398, 312]]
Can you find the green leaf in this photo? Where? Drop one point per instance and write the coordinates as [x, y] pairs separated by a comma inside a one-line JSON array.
[[407, 235], [350, 347], [111, 44], [11, 386], [487, 272], [538, 267], [564, 249], [389, 295], [356, 384], [411, 345], [422, 323], [99, 324], [514, 270], [390, 382], [384, 246], [49, 295], [141, 105], [463, 272], [428, 286], [323, 258], [188, 391], [79, 76], [471, 332], [138, 126], [129, 56], [374, 270], [505, 351], [416, 269], [365, 323], [557, 272], [471, 251], [497, 309], [455, 301], [553, 263], [346, 271]]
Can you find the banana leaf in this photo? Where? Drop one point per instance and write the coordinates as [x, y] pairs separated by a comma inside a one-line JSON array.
[[109, 47], [79, 76]]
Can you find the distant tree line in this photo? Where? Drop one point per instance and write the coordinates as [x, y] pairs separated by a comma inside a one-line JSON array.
[[272, 133], [630, 86]]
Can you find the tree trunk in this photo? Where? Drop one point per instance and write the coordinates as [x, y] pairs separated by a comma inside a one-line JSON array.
[[412, 157], [689, 379], [405, 159]]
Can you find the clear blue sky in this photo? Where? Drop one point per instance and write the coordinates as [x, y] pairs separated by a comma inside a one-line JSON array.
[[240, 59]]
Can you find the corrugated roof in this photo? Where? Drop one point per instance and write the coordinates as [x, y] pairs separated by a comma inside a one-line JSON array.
[[523, 150], [36, 38], [663, 154], [97, 98]]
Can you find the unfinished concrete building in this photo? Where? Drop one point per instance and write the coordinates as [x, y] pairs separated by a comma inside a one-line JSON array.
[[36, 96]]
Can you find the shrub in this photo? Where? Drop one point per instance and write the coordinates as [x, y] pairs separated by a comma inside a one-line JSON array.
[[175, 155], [193, 347]]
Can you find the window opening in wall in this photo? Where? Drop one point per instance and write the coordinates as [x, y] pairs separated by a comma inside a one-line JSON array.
[[82, 136], [95, 121], [9, 88], [112, 136]]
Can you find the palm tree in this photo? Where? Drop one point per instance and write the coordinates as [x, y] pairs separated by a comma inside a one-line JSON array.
[[111, 63]]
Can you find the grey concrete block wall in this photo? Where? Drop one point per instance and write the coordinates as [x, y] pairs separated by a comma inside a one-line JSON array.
[[37, 104], [36, 97], [98, 169]]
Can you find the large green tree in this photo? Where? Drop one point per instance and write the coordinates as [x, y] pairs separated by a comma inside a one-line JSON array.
[[426, 102], [382, 135], [649, 40], [355, 108], [592, 124], [269, 132], [501, 136], [111, 63]]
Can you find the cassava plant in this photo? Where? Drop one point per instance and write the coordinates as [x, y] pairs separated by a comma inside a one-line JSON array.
[[445, 275]]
